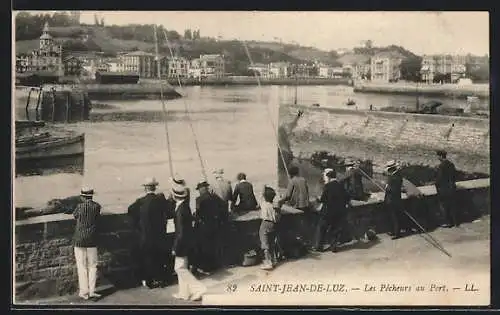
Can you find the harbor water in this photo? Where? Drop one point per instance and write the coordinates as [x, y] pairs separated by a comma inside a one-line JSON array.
[[234, 126]]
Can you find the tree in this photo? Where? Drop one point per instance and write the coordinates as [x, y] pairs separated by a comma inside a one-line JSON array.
[[188, 34], [96, 20], [369, 44], [173, 35], [410, 68]]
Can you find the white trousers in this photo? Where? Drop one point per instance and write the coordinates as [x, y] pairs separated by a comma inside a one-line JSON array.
[[188, 284], [86, 265]]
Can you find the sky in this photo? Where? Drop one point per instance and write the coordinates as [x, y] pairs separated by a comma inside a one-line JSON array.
[[420, 32]]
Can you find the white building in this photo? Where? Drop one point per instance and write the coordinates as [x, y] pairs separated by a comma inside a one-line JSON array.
[[261, 69], [178, 67], [278, 69], [212, 65], [385, 67], [194, 70]]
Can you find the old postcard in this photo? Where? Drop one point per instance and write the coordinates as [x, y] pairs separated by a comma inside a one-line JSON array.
[[251, 158]]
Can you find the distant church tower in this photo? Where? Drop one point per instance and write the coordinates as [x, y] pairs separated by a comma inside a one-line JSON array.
[[45, 39]]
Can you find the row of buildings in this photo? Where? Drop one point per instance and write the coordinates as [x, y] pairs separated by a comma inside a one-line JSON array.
[[50, 58], [146, 65], [382, 67]]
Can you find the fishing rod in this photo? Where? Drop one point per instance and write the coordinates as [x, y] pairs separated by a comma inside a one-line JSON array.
[[164, 108], [268, 111], [186, 110], [436, 242]]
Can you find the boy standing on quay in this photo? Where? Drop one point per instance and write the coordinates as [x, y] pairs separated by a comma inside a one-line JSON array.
[[267, 232], [87, 214]]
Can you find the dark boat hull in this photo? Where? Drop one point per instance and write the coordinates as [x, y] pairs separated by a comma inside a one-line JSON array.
[[53, 156]]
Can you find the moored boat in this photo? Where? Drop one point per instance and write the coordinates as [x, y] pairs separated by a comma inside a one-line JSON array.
[[40, 149]]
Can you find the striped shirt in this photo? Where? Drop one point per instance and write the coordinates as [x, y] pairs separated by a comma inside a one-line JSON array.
[[86, 214]]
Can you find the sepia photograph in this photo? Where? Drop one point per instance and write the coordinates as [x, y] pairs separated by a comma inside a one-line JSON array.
[[264, 158]]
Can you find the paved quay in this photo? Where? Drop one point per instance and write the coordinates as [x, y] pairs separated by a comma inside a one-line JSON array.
[[407, 260]]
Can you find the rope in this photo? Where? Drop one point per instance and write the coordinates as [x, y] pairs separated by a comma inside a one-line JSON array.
[[164, 109], [434, 242], [188, 115], [268, 112]]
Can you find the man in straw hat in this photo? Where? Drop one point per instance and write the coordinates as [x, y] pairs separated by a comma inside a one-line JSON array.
[[189, 286], [150, 214], [87, 214], [446, 189], [392, 198]]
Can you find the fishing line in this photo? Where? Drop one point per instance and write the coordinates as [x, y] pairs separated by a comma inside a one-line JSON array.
[[187, 114], [268, 112], [164, 109]]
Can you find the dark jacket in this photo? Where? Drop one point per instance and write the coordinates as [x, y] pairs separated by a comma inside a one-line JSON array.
[[87, 215], [149, 215], [334, 199], [184, 232], [297, 193], [244, 190], [446, 178], [353, 183], [394, 188], [211, 210]]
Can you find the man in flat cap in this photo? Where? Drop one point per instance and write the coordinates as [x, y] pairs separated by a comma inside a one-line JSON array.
[[150, 214], [446, 188], [87, 214]]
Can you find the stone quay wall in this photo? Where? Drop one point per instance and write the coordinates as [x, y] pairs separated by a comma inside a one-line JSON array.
[[382, 136], [44, 258]]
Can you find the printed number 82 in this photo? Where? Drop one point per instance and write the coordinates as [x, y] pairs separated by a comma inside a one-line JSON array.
[[231, 287]]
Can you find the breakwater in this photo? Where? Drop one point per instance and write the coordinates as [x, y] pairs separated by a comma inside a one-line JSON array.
[[382, 136], [436, 90], [128, 91], [251, 80]]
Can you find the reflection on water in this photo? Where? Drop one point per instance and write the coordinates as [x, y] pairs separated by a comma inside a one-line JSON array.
[[121, 153], [127, 142]]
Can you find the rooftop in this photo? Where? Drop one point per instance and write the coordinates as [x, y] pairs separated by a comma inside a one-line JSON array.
[[139, 53]]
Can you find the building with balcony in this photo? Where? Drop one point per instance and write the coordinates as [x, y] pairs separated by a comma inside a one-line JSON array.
[[212, 65], [194, 70], [278, 69], [444, 66], [178, 67], [385, 67], [142, 63]]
